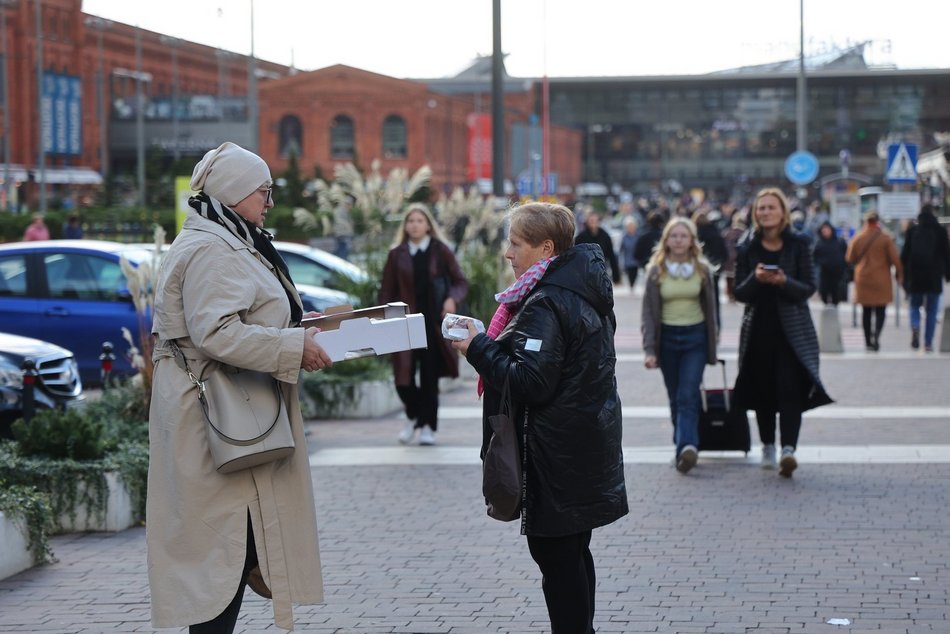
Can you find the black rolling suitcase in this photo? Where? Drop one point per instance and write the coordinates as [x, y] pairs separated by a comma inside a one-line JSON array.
[[722, 427]]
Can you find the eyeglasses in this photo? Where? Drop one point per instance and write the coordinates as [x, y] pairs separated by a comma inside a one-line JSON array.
[[268, 194]]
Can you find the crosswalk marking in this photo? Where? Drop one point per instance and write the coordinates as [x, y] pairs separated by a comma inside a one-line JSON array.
[[467, 456], [829, 412]]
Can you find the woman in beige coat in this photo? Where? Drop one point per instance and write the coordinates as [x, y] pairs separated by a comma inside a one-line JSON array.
[[224, 294], [873, 253]]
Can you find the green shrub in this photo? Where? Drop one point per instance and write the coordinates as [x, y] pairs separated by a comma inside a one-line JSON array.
[[71, 434], [122, 412]]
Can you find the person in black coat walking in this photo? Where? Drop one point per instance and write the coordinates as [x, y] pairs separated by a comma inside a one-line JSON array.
[[552, 342], [926, 259], [829, 251], [778, 346], [593, 234], [648, 239]]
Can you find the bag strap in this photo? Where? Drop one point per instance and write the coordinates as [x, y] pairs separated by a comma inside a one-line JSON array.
[[182, 363], [868, 248]]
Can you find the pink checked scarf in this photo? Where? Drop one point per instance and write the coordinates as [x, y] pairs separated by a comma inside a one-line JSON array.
[[509, 298]]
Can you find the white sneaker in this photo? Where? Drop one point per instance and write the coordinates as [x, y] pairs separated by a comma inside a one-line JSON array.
[[427, 436], [787, 463], [408, 432], [687, 459], [768, 457]]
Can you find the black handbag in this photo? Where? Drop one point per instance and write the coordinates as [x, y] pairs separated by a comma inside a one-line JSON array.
[[501, 468]]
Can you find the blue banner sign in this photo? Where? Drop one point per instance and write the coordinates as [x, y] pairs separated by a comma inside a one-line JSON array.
[[62, 114]]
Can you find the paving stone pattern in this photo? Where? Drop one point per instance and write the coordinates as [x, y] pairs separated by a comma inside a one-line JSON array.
[[728, 549]]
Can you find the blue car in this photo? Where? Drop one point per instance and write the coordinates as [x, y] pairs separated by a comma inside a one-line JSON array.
[[71, 293]]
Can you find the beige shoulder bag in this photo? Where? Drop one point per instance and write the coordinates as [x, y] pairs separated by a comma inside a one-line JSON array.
[[246, 417]]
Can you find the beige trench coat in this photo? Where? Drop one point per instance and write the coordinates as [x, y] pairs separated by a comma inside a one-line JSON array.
[[215, 295]]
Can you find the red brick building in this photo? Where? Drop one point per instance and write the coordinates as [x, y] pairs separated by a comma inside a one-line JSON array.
[[193, 97]]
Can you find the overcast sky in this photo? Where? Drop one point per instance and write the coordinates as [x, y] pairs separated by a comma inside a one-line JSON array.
[[565, 38]]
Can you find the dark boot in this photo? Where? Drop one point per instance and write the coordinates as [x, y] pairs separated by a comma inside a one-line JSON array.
[[915, 338]]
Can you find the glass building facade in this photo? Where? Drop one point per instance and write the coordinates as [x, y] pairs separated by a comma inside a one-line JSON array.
[[726, 131]]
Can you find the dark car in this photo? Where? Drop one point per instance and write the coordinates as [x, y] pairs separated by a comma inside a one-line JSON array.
[[72, 293], [57, 383]]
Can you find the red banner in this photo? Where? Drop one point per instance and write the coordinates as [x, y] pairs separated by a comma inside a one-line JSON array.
[[479, 146]]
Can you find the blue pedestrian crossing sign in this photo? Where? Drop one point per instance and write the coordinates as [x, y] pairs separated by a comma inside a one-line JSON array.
[[901, 163]]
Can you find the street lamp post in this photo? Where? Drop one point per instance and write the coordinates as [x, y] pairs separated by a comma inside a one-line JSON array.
[[139, 119], [252, 89], [802, 136], [6, 104], [100, 25], [41, 120], [497, 105], [173, 43]]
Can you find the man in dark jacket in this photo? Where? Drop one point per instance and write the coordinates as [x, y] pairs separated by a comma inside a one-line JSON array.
[[926, 260], [551, 342], [594, 234]]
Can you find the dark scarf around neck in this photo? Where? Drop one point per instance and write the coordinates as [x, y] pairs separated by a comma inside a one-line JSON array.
[[217, 212]]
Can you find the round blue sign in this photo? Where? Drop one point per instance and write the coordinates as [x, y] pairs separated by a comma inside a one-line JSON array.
[[801, 167]]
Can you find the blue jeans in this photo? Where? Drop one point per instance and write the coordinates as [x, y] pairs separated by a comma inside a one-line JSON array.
[[682, 361], [929, 301]]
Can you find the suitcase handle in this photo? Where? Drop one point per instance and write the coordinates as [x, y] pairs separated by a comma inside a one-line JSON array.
[[725, 389]]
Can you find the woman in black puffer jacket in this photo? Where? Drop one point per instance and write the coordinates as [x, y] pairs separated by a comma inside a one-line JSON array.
[[552, 339]]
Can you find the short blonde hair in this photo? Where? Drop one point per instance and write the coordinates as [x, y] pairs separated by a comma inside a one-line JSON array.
[[537, 222]]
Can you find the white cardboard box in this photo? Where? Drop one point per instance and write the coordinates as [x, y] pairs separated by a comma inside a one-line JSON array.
[[351, 334]]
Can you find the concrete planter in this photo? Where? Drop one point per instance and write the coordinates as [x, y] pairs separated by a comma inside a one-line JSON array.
[[14, 556], [118, 516], [368, 399]]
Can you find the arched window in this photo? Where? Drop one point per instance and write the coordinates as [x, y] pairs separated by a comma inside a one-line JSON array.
[[290, 136], [394, 137], [342, 145]]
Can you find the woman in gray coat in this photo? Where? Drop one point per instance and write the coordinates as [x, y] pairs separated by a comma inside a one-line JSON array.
[[224, 296]]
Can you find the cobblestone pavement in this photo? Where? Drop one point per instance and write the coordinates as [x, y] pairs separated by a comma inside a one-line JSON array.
[[857, 537]]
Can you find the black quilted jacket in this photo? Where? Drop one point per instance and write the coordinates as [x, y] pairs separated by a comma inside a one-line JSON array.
[[558, 355]]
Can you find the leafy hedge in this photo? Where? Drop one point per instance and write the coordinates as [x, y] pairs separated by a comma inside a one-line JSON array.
[[58, 461], [132, 224]]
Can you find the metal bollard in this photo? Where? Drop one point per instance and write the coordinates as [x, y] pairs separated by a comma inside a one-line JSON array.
[[945, 331], [29, 381], [106, 360]]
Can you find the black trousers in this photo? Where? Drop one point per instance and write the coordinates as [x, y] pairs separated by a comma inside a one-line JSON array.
[[632, 272], [788, 379], [567, 580], [224, 623], [422, 401], [872, 332], [829, 287]]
